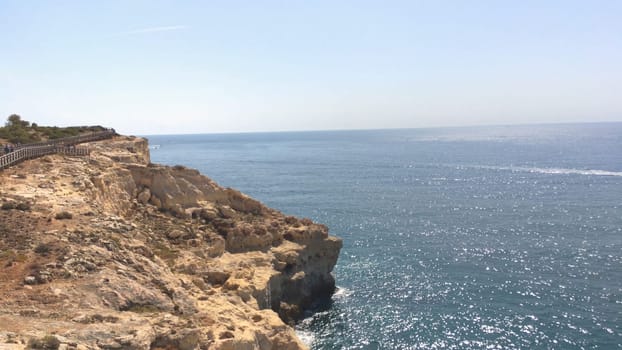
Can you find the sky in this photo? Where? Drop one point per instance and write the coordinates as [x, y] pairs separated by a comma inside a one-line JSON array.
[[172, 67]]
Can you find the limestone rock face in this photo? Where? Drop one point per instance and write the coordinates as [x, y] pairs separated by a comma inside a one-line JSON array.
[[150, 257], [178, 188]]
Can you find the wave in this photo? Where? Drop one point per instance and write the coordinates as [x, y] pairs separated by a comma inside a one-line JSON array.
[[307, 337], [341, 293], [555, 171]]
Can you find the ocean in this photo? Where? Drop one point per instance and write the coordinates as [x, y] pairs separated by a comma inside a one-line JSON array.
[[506, 237]]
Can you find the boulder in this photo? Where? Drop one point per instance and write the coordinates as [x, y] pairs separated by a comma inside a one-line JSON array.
[[144, 196]]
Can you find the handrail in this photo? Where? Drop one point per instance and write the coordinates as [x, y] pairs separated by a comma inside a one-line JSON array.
[[63, 146]]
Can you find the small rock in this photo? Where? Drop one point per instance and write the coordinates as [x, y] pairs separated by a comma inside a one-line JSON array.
[[144, 196], [155, 201], [227, 212], [43, 277], [30, 280], [217, 276], [209, 214], [175, 233], [179, 211]]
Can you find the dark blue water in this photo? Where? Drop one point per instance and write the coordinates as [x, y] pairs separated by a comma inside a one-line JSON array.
[[465, 238]]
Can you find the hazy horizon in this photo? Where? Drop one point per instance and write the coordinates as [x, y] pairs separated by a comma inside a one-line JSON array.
[[518, 125], [203, 67]]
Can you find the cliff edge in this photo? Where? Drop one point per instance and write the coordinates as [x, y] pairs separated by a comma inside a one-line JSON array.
[[112, 252]]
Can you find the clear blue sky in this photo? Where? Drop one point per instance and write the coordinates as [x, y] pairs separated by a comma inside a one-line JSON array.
[[157, 67]]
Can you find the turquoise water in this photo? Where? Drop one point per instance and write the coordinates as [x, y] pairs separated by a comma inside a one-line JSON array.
[[464, 238]]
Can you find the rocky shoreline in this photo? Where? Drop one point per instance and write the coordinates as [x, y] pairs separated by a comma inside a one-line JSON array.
[[113, 252]]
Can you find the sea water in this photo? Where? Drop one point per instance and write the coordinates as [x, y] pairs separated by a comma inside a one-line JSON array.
[[455, 238]]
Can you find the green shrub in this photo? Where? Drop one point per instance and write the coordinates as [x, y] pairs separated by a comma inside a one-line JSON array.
[[23, 206], [17, 130], [42, 249], [141, 309], [12, 256], [8, 205], [63, 215], [49, 342]]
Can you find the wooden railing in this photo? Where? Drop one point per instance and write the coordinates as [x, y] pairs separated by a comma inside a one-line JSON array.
[[64, 146]]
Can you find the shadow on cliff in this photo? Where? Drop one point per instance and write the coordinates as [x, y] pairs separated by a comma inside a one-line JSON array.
[[322, 304]]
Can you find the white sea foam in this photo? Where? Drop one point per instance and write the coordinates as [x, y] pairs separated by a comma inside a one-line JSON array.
[[554, 171], [306, 337], [342, 293]]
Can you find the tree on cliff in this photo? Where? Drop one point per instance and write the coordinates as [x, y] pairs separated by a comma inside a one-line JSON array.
[[17, 130], [15, 121]]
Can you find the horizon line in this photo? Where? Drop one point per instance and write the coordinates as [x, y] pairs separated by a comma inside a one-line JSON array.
[[381, 129]]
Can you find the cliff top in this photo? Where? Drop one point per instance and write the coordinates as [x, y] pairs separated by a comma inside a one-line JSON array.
[[16, 130]]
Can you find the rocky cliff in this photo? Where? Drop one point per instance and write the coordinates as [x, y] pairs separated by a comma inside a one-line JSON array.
[[113, 252]]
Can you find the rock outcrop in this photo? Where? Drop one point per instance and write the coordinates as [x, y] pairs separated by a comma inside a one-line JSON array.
[[113, 252]]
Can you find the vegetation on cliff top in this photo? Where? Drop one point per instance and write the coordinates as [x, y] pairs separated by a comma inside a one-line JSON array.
[[17, 130]]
